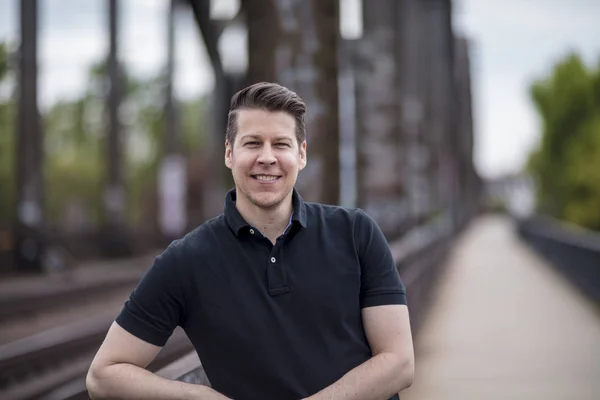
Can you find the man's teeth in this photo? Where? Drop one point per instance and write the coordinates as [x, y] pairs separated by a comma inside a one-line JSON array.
[[266, 178]]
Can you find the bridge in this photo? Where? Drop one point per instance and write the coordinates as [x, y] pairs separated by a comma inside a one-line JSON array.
[[503, 306]]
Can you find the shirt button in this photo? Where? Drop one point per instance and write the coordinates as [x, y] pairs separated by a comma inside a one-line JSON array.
[[252, 231], [273, 259]]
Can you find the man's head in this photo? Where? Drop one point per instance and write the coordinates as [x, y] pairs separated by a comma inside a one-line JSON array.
[[268, 97], [265, 143]]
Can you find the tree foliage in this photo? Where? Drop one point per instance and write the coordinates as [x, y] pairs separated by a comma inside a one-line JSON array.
[[566, 165]]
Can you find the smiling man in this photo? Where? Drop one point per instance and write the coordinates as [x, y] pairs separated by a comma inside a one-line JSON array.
[[281, 298]]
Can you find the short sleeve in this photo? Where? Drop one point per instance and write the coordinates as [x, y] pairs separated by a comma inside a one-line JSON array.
[[156, 305], [380, 281]]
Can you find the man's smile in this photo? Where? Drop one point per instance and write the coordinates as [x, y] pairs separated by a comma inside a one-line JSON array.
[[266, 178]]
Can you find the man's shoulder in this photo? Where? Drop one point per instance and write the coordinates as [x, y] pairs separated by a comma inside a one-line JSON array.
[[201, 240], [353, 220], [331, 213]]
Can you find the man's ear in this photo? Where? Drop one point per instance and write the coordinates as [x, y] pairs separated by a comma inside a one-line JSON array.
[[228, 151], [303, 159]]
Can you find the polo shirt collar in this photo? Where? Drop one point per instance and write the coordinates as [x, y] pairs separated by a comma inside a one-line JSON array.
[[236, 222]]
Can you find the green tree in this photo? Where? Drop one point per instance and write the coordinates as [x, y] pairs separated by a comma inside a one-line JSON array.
[[76, 146], [566, 165], [73, 167]]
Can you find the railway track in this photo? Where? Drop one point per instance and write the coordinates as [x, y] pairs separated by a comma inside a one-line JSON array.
[[53, 364], [24, 306], [35, 295]]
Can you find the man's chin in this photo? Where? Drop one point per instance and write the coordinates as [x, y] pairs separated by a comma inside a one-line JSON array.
[[267, 200]]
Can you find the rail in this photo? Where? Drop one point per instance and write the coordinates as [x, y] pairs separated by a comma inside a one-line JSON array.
[[53, 364], [21, 299], [573, 251], [33, 365]]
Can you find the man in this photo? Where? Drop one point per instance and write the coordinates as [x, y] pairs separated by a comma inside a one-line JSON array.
[[281, 299]]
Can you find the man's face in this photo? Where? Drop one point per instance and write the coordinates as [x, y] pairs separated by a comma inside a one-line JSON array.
[[265, 157]]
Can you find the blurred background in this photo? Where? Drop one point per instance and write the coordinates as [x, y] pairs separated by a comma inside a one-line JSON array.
[[469, 129]]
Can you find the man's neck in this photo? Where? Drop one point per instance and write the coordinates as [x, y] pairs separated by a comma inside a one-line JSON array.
[[271, 222]]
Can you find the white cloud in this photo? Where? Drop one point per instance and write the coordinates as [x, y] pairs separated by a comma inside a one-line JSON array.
[[193, 74], [507, 128], [224, 9], [144, 35], [68, 45], [8, 17]]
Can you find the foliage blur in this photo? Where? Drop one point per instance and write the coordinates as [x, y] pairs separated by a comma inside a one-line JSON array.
[[75, 164], [566, 165]]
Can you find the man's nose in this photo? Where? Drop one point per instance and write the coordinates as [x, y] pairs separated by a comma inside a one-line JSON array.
[[266, 156]]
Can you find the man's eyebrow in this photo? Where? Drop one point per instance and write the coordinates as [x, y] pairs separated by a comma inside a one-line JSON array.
[[257, 136], [251, 136]]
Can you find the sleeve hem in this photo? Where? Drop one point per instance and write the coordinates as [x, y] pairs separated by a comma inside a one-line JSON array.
[[381, 299], [127, 322]]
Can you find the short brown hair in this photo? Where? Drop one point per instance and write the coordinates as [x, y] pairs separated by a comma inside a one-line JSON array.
[[269, 97]]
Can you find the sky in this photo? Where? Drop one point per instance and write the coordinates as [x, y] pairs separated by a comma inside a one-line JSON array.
[[513, 42]]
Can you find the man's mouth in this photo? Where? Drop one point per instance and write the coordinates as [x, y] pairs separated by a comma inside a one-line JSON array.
[[266, 178]]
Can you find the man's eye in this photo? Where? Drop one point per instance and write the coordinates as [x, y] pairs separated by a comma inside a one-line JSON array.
[[252, 143], [282, 145]]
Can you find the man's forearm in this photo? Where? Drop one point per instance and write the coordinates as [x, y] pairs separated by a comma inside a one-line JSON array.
[[126, 381], [381, 377]]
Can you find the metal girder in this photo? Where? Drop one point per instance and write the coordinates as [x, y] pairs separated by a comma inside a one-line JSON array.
[[210, 34], [211, 31]]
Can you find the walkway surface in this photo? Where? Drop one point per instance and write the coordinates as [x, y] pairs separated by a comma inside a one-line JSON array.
[[504, 325]]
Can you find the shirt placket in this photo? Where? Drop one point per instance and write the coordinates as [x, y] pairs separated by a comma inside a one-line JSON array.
[[276, 273], [277, 280]]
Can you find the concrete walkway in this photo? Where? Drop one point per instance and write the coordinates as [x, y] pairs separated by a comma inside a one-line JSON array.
[[504, 325]]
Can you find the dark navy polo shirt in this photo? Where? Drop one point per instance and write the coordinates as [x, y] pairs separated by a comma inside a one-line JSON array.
[[269, 321]]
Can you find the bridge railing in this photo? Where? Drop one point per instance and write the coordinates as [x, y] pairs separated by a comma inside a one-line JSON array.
[[573, 251]]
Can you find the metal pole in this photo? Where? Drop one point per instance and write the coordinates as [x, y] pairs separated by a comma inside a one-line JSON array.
[[172, 182], [115, 241], [348, 121], [171, 111], [465, 128], [30, 182]]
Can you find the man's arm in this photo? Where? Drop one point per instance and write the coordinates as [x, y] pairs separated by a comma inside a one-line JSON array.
[[390, 370], [118, 372]]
